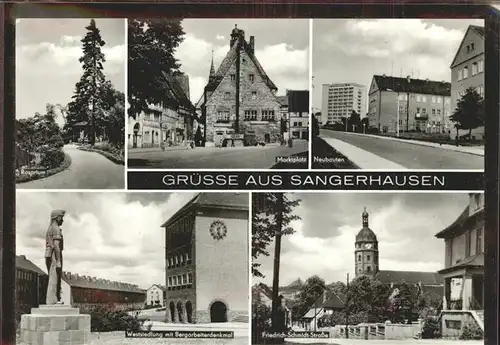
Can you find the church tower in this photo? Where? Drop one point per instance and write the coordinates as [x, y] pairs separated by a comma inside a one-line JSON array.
[[366, 250]]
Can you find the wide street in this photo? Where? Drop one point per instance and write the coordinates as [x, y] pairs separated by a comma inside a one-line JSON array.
[[88, 170], [213, 157], [407, 155]]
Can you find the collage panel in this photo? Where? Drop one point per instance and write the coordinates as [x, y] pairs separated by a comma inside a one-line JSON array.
[[70, 103], [218, 94], [399, 94], [134, 263], [367, 267]]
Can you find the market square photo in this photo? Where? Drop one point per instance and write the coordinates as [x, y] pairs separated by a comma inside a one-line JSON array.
[[218, 94]]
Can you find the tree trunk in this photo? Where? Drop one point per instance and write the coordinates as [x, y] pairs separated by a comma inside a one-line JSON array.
[[277, 250], [470, 134]]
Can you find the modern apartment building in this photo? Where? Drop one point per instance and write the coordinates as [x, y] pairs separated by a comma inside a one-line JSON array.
[[467, 69], [339, 100]]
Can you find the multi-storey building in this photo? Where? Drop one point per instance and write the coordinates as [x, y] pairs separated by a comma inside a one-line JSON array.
[[207, 260], [31, 285], [340, 100], [409, 104], [467, 70], [298, 114], [170, 122], [464, 269], [240, 96], [88, 292], [156, 294]]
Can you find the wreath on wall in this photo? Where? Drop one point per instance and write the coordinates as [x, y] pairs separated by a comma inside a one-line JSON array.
[[218, 230]]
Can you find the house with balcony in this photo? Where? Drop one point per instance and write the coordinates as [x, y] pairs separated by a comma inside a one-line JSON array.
[[463, 274]]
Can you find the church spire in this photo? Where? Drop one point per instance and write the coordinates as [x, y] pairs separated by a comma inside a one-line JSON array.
[[365, 218], [212, 68]]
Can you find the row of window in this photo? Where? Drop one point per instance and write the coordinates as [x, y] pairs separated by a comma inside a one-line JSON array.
[[266, 115], [479, 90], [476, 68], [251, 77], [423, 99], [180, 280], [25, 275], [177, 260], [229, 96], [82, 295]]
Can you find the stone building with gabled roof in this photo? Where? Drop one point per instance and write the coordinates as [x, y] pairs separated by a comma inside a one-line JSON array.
[[418, 104], [239, 95]]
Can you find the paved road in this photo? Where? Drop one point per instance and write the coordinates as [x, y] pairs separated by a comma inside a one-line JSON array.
[[88, 170], [214, 157], [409, 155]]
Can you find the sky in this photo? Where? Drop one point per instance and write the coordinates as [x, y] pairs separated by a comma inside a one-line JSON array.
[[115, 235], [281, 46], [353, 50], [47, 66], [323, 242]]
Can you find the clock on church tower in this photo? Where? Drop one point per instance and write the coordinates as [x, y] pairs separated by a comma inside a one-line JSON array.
[[366, 250]]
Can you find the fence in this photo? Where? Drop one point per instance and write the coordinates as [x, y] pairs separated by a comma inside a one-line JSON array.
[[23, 157], [375, 331]]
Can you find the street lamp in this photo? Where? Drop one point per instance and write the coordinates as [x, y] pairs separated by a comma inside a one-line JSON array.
[[408, 79], [397, 117]]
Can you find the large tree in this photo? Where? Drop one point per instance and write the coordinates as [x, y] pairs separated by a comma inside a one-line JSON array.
[[86, 104], [265, 208], [151, 49], [114, 119], [312, 289], [469, 113]]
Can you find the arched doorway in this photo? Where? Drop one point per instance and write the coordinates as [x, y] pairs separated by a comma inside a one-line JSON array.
[[189, 312], [136, 132], [172, 311], [179, 311], [218, 312]]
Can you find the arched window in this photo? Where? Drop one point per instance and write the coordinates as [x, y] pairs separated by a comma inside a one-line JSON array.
[[359, 257]]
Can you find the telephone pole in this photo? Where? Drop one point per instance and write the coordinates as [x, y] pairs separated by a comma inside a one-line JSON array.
[[277, 250], [408, 79], [347, 309]]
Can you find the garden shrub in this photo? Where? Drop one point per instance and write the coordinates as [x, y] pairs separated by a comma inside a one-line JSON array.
[[52, 158], [472, 331], [107, 320], [431, 329]]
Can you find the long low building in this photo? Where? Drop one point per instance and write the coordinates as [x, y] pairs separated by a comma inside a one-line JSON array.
[[31, 285]]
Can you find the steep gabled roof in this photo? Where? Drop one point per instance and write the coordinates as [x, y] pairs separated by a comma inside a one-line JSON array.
[[176, 91], [476, 261], [420, 86], [283, 100], [478, 30], [228, 61], [101, 284], [409, 277], [463, 222], [234, 201], [296, 283], [24, 264]]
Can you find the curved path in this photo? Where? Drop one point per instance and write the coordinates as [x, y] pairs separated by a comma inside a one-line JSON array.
[[88, 170]]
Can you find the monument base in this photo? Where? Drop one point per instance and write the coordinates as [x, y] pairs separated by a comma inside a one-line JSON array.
[[55, 325]]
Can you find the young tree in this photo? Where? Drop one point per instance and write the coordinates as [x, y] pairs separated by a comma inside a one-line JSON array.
[[265, 210], [354, 120], [469, 113], [312, 289], [151, 47], [315, 126], [86, 104]]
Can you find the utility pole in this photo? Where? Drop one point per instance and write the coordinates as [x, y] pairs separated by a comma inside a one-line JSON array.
[[277, 250], [408, 79], [347, 309], [238, 68]]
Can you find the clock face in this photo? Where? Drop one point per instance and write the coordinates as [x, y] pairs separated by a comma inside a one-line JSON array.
[[218, 230], [368, 245]]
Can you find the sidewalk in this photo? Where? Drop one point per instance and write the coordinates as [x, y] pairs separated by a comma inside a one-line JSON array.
[[362, 158], [474, 150]]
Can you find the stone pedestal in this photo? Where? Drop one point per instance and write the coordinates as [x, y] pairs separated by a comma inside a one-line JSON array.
[[55, 325]]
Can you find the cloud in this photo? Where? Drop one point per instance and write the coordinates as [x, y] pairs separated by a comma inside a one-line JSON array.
[[220, 38], [323, 242], [63, 58], [107, 235], [71, 40]]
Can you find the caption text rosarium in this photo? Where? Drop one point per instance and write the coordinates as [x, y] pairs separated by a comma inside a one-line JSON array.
[[316, 180]]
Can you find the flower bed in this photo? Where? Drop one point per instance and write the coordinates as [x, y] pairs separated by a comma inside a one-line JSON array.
[[30, 174], [115, 155]]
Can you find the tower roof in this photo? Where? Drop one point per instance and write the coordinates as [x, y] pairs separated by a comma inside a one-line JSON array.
[[365, 234]]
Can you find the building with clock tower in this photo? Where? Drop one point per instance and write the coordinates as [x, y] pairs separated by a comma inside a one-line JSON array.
[[207, 260], [366, 250]]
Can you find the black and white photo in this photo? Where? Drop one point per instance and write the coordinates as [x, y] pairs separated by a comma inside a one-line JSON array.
[[111, 265], [218, 94], [384, 267], [70, 103], [398, 94]]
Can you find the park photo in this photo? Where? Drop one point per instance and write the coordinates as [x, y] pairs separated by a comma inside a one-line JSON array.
[[398, 94], [218, 94], [160, 262], [362, 268], [70, 113]]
